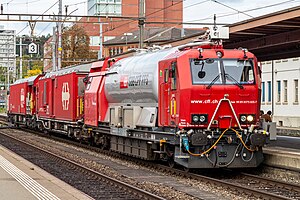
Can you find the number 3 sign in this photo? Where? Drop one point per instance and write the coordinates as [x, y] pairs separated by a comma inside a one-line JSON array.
[[32, 48]]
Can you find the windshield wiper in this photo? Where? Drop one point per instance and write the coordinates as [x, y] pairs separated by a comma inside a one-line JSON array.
[[213, 81], [235, 81]]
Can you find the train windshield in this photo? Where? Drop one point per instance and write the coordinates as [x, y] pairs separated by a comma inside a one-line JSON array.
[[222, 71]]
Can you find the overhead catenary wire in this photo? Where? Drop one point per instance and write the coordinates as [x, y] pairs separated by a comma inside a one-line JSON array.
[[231, 8], [195, 4], [28, 25], [25, 3], [244, 11], [160, 10]]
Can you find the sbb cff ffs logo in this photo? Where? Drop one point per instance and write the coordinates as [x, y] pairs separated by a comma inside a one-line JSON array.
[[65, 96]]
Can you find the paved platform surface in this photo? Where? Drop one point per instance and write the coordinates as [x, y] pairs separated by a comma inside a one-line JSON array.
[[22, 180], [286, 141], [283, 153]]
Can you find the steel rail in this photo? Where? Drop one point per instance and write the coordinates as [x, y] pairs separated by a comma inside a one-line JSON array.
[[132, 189], [201, 178], [282, 184]]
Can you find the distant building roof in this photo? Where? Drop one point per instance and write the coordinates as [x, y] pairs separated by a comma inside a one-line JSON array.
[[154, 35]]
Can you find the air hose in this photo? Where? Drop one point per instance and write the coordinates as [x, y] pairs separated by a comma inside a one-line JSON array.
[[208, 150]]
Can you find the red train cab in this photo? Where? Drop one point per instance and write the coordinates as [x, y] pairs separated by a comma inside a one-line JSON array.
[[214, 88]]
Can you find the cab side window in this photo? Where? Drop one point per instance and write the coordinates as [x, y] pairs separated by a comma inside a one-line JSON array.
[[166, 75], [45, 95], [173, 73], [81, 86], [89, 83]]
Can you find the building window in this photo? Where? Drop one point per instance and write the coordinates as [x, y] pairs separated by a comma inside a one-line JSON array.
[[285, 98], [119, 50], [296, 86], [263, 91], [94, 41], [109, 7], [269, 91], [278, 91]]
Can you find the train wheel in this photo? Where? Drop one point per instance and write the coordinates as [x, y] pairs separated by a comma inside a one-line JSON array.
[[171, 162], [185, 169], [102, 147]]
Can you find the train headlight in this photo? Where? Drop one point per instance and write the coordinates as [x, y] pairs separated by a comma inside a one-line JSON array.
[[250, 118], [199, 118], [202, 118], [219, 54], [195, 118], [243, 118]]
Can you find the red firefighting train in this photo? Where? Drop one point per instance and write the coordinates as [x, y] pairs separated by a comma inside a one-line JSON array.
[[195, 105]]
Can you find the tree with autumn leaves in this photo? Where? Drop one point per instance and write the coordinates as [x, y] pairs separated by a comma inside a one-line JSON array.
[[76, 46], [75, 50]]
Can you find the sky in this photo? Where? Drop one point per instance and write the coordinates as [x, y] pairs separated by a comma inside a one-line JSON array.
[[196, 11]]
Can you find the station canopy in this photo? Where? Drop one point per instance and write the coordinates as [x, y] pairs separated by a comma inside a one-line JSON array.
[[270, 37]]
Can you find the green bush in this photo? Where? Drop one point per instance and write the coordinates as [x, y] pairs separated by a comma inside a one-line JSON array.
[[2, 110]]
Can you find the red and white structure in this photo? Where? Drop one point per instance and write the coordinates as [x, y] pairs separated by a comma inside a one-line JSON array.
[[196, 105]]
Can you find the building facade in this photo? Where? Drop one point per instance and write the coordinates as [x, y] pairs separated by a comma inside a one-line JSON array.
[[280, 91], [159, 13], [7, 52]]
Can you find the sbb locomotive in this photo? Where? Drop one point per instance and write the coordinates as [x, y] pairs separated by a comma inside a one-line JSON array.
[[196, 105]]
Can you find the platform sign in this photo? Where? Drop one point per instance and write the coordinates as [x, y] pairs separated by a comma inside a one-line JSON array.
[[32, 48]]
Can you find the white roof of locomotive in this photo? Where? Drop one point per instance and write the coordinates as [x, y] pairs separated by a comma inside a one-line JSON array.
[[83, 68], [29, 80]]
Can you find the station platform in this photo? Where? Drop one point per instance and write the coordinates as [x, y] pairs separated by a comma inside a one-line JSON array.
[[22, 180], [281, 157], [284, 153]]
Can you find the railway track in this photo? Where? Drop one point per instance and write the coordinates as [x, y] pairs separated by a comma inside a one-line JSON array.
[[93, 183], [260, 187], [279, 187], [244, 184], [253, 186]]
